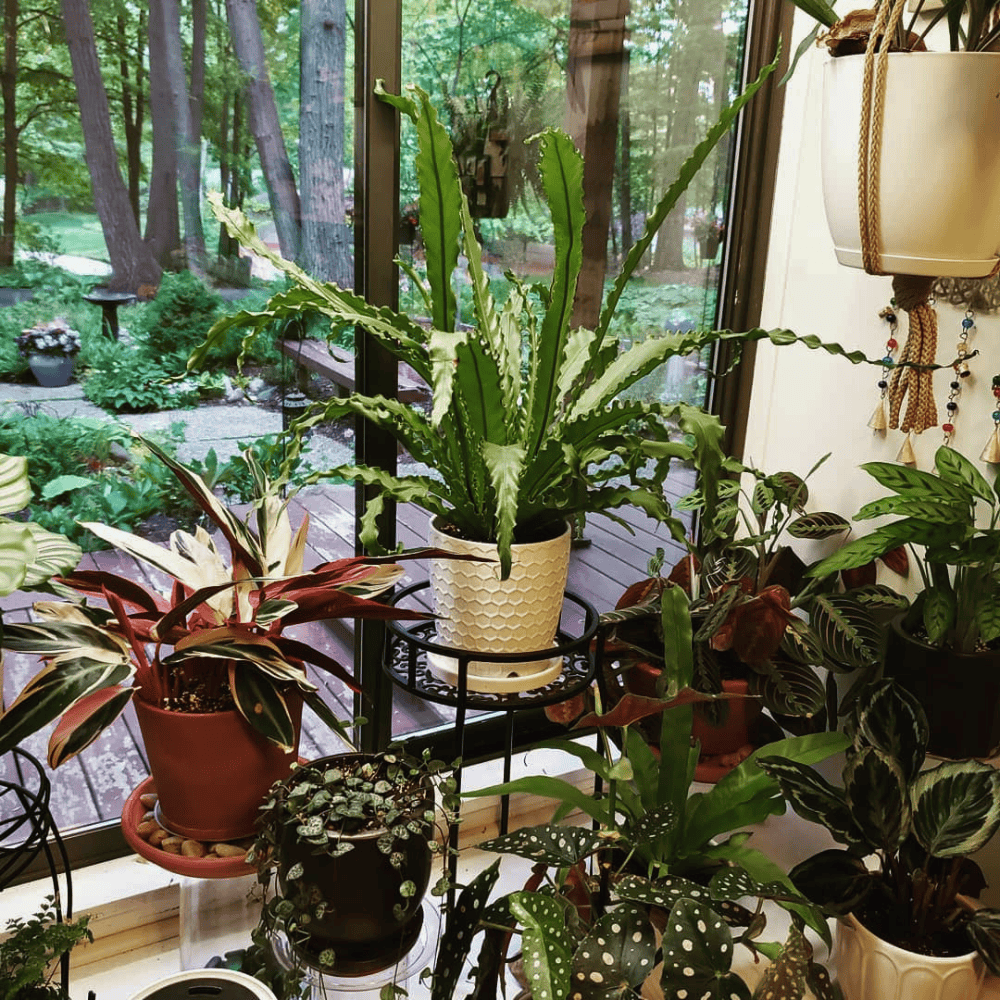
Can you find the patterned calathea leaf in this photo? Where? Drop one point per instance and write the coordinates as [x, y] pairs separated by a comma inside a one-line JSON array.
[[983, 928], [834, 879], [892, 720], [546, 943], [814, 798], [848, 631], [697, 955], [879, 597], [877, 795], [800, 642], [551, 845], [615, 957], [821, 524], [956, 807], [789, 687]]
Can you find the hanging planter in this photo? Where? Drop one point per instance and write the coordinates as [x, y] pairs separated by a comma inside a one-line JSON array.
[[939, 181]]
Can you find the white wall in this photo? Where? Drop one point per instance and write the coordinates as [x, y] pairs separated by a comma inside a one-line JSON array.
[[806, 403]]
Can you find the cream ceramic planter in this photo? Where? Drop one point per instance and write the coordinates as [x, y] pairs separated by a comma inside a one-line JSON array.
[[484, 614], [869, 968], [940, 172]]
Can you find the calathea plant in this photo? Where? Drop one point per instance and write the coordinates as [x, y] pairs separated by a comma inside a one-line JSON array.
[[919, 825], [959, 605], [526, 426]]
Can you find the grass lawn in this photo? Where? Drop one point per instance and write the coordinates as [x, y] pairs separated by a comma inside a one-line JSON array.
[[75, 233]]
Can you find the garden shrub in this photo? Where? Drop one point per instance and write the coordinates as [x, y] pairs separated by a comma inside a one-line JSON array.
[[176, 321], [129, 381]]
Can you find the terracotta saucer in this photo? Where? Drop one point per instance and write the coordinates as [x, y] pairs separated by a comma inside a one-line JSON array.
[[132, 815]]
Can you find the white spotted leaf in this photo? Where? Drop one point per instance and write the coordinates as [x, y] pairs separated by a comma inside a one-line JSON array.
[[615, 957], [697, 954], [546, 945], [551, 845], [662, 892], [785, 978]]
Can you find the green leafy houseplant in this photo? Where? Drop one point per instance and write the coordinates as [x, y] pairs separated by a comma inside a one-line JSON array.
[[959, 604], [30, 951], [343, 852], [526, 426], [919, 825], [659, 850], [56, 337]]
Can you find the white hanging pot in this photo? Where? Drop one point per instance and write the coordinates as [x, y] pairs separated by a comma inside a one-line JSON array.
[[869, 968], [939, 184], [484, 614]]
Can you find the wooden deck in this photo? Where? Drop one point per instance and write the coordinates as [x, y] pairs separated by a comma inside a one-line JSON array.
[[92, 787]]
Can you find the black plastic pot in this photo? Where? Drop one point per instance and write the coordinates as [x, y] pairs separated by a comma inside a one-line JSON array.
[[960, 692], [361, 890]]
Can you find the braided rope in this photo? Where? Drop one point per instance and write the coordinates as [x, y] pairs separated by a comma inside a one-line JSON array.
[[915, 383], [876, 69]]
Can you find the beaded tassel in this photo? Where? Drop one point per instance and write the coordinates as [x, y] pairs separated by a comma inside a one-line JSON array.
[[961, 373], [991, 453], [879, 420]]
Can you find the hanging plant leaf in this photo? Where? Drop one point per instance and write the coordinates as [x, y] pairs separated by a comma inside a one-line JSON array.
[[876, 792], [821, 524], [897, 560], [551, 845], [697, 954], [956, 807], [545, 943], [789, 687], [459, 931], [847, 630], [615, 957], [663, 892]]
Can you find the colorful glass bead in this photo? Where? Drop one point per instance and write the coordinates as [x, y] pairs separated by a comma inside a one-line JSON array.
[[951, 405], [967, 323], [996, 379], [888, 361], [954, 385], [882, 384], [948, 428], [892, 344]]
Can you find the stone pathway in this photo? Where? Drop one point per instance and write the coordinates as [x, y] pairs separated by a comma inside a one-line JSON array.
[[217, 425]]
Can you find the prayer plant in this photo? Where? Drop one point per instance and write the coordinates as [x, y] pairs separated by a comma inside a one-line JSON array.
[[526, 426], [215, 642]]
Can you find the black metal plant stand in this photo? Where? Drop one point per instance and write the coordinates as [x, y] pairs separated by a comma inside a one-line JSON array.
[[406, 663], [27, 830]]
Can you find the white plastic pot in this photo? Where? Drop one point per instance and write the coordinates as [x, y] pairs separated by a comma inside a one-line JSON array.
[[484, 614], [940, 174], [869, 968], [200, 984]]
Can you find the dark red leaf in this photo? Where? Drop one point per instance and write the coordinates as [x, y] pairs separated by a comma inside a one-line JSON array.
[[759, 624], [897, 560], [859, 576]]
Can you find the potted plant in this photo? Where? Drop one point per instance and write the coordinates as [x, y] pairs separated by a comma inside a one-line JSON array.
[[525, 431], [51, 349], [935, 109], [945, 648], [30, 952], [346, 843], [907, 929], [658, 849], [745, 585], [207, 668]]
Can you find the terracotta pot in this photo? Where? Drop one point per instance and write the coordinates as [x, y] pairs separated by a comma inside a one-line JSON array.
[[960, 692], [869, 968], [362, 890], [482, 613], [211, 770]]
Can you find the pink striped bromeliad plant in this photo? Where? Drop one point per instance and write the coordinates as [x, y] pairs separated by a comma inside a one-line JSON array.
[[216, 641]]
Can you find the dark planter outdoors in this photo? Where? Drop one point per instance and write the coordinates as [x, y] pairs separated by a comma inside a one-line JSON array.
[[52, 370], [361, 889], [212, 770], [960, 693]]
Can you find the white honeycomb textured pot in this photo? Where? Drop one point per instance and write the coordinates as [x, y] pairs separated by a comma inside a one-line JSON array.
[[869, 968], [484, 614]]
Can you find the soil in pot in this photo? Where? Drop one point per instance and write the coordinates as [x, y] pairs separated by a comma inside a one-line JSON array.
[[363, 924]]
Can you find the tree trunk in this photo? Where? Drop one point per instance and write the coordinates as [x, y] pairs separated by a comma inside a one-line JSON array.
[[132, 263], [196, 92], [133, 105], [625, 165], [264, 124], [8, 84], [326, 243], [163, 224], [593, 91], [188, 145]]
